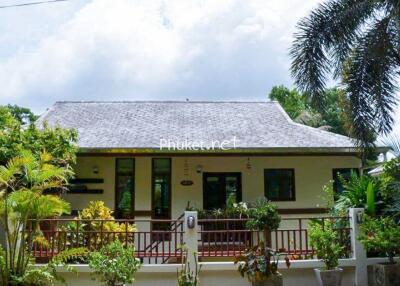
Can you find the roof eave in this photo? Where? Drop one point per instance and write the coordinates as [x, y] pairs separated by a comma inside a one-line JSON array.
[[237, 151]]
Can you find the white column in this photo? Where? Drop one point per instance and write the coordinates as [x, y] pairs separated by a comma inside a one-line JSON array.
[[190, 236], [359, 253]]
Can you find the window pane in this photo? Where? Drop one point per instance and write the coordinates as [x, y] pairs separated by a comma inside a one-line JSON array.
[[231, 189], [279, 184], [125, 165], [162, 165], [125, 184], [161, 187]]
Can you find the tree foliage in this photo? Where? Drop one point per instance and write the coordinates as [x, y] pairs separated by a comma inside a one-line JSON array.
[[358, 42], [18, 132], [300, 108], [22, 182]]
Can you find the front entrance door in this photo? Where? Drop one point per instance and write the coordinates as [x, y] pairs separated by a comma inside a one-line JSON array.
[[161, 196], [220, 189]]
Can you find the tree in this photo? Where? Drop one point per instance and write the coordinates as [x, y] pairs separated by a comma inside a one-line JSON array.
[[22, 114], [18, 133], [299, 108], [22, 183], [357, 41]]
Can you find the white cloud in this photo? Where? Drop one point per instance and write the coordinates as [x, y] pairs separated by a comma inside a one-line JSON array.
[[205, 49]]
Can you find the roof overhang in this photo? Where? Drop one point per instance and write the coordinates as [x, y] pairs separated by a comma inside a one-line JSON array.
[[318, 151]]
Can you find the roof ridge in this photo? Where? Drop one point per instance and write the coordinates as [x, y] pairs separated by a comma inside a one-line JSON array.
[[160, 101]]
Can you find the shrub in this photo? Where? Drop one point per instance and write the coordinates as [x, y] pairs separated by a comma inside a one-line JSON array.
[[325, 240], [114, 264], [356, 191], [187, 276], [263, 216], [381, 234], [97, 210]]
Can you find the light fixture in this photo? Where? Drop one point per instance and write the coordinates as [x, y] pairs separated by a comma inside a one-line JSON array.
[[248, 164], [191, 222], [95, 170], [199, 169]]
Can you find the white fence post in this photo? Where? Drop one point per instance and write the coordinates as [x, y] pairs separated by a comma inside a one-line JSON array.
[[190, 228], [359, 253]]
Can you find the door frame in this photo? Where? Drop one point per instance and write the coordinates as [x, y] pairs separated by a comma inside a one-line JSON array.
[[116, 211], [153, 190], [238, 175]]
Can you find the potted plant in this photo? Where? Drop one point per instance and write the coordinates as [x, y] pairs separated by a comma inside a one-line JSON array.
[[324, 240], [263, 217], [260, 265], [382, 235], [114, 264]]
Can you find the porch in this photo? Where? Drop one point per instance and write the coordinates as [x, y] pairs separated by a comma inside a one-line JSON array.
[[139, 186], [213, 239]]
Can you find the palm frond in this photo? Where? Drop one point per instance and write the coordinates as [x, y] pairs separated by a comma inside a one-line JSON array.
[[329, 30], [370, 82], [392, 141]]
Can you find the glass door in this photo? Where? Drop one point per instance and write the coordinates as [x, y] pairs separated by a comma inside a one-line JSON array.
[[124, 188], [161, 193], [221, 189]]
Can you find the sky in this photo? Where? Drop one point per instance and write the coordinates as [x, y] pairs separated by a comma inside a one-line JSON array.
[[145, 50]]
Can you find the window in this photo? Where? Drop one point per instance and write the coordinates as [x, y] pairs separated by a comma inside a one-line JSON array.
[[161, 187], [124, 187], [345, 174], [220, 189], [279, 184]]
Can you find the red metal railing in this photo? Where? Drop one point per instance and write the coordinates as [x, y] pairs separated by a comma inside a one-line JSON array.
[[219, 237], [151, 246], [229, 237]]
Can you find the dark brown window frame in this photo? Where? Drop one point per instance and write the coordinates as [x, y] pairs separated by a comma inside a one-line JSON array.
[[116, 185], [281, 199], [169, 173]]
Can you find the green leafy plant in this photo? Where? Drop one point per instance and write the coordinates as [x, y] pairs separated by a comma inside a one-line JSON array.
[[18, 132], [22, 183], [187, 276], [263, 216], [324, 239], [47, 274], [357, 189], [259, 262], [382, 235], [114, 264], [95, 219]]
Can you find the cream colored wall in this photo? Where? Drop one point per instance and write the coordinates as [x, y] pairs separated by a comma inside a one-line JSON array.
[[311, 173]]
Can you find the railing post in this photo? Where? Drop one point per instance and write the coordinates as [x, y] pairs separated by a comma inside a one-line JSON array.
[[190, 228], [359, 253]]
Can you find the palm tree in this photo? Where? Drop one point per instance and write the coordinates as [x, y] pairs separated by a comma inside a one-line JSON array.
[[22, 182], [359, 42]]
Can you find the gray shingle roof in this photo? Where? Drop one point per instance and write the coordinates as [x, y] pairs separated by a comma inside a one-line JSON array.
[[143, 124]]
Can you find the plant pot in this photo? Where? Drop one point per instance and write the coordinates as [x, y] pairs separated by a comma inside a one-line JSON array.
[[329, 277], [384, 274], [273, 280]]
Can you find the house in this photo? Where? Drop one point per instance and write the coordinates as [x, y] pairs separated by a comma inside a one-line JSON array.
[[149, 159]]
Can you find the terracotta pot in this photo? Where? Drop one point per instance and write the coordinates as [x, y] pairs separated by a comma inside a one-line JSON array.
[[273, 280], [384, 274], [329, 277]]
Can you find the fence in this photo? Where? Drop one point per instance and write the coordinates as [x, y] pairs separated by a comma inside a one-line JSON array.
[[155, 241], [159, 241], [229, 237]]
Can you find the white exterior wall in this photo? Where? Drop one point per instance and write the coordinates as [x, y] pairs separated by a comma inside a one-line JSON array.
[[311, 173]]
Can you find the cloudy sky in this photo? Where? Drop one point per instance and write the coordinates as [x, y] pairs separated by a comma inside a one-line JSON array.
[[145, 50]]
